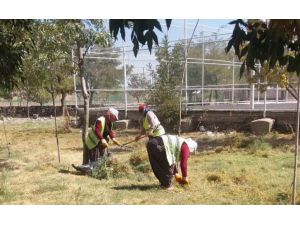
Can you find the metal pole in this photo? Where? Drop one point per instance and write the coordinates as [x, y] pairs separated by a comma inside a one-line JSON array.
[[232, 91], [294, 194], [265, 99], [202, 80], [185, 57], [75, 91], [258, 92], [125, 80], [252, 93], [276, 93]]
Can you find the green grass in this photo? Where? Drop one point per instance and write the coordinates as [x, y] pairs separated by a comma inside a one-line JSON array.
[[230, 169]]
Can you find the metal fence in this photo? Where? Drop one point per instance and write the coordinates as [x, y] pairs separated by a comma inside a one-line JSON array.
[[117, 78], [209, 78]]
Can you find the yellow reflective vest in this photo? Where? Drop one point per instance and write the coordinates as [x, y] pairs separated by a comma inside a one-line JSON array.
[[157, 130], [172, 145], [92, 139]]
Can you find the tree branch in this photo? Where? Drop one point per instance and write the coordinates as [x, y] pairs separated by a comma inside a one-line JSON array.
[[292, 91]]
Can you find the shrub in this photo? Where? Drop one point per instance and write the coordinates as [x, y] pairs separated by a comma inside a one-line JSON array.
[[106, 168]]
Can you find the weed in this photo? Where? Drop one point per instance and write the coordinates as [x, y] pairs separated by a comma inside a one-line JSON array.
[[240, 180], [137, 158], [234, 141], [282, 198], [143, 167], [139, 162], [106, 168], [5, 194], [219, 149], [119, 169], [214, 178], [254, 145], [101, 170]]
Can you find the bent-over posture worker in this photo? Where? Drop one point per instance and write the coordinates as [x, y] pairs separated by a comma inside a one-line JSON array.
[[150, 123], [98, 136], [164, 152]]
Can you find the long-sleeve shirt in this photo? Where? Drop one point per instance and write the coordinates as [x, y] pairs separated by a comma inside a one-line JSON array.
[[152, 120], [177, 150], [107, 130], [185, 153]]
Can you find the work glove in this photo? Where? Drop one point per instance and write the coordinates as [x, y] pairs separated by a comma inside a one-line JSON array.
[[116, 142], [150, 133], [184, 181], [178, 177], [104, 143], [181, 180]]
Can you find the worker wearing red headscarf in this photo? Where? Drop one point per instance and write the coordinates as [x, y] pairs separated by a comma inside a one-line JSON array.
[[150, 124]]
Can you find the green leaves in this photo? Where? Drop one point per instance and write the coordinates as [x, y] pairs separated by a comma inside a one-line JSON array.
[[15, 42], [266, 43], [142, 31]]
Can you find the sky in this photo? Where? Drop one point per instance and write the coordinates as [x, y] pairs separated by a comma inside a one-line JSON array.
[[176, 32]]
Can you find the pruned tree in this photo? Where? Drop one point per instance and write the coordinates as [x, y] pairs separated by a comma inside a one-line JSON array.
[[82, 35]]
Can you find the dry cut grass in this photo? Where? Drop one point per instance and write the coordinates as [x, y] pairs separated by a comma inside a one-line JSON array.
[[230, 168]]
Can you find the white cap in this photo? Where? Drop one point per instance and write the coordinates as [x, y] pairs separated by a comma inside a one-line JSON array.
[[114, 112], [192, 144]]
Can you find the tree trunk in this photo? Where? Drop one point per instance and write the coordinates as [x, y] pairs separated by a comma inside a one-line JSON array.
[[86, 99], [28, 111], [20, 100], [62, 101], [91, 97], [56, 131], [294, 192]]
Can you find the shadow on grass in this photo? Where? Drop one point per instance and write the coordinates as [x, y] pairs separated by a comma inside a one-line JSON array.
[[5, 164], [137, 187], [73, 149], [121, 149], [78, 173]]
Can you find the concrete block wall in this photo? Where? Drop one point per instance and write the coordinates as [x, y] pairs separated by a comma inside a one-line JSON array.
[[285, 121]]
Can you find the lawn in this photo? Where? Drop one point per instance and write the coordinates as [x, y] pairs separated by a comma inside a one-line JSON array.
[[228, 168]]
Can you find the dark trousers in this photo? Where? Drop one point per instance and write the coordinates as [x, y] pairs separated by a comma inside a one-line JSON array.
[[96, 152], [159, 163]]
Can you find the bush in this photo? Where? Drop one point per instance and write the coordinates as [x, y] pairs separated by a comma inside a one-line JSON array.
[[109, 167]]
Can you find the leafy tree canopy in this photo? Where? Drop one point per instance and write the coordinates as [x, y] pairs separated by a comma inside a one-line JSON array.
[[272, 42], [142, 31], [15, 42]]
